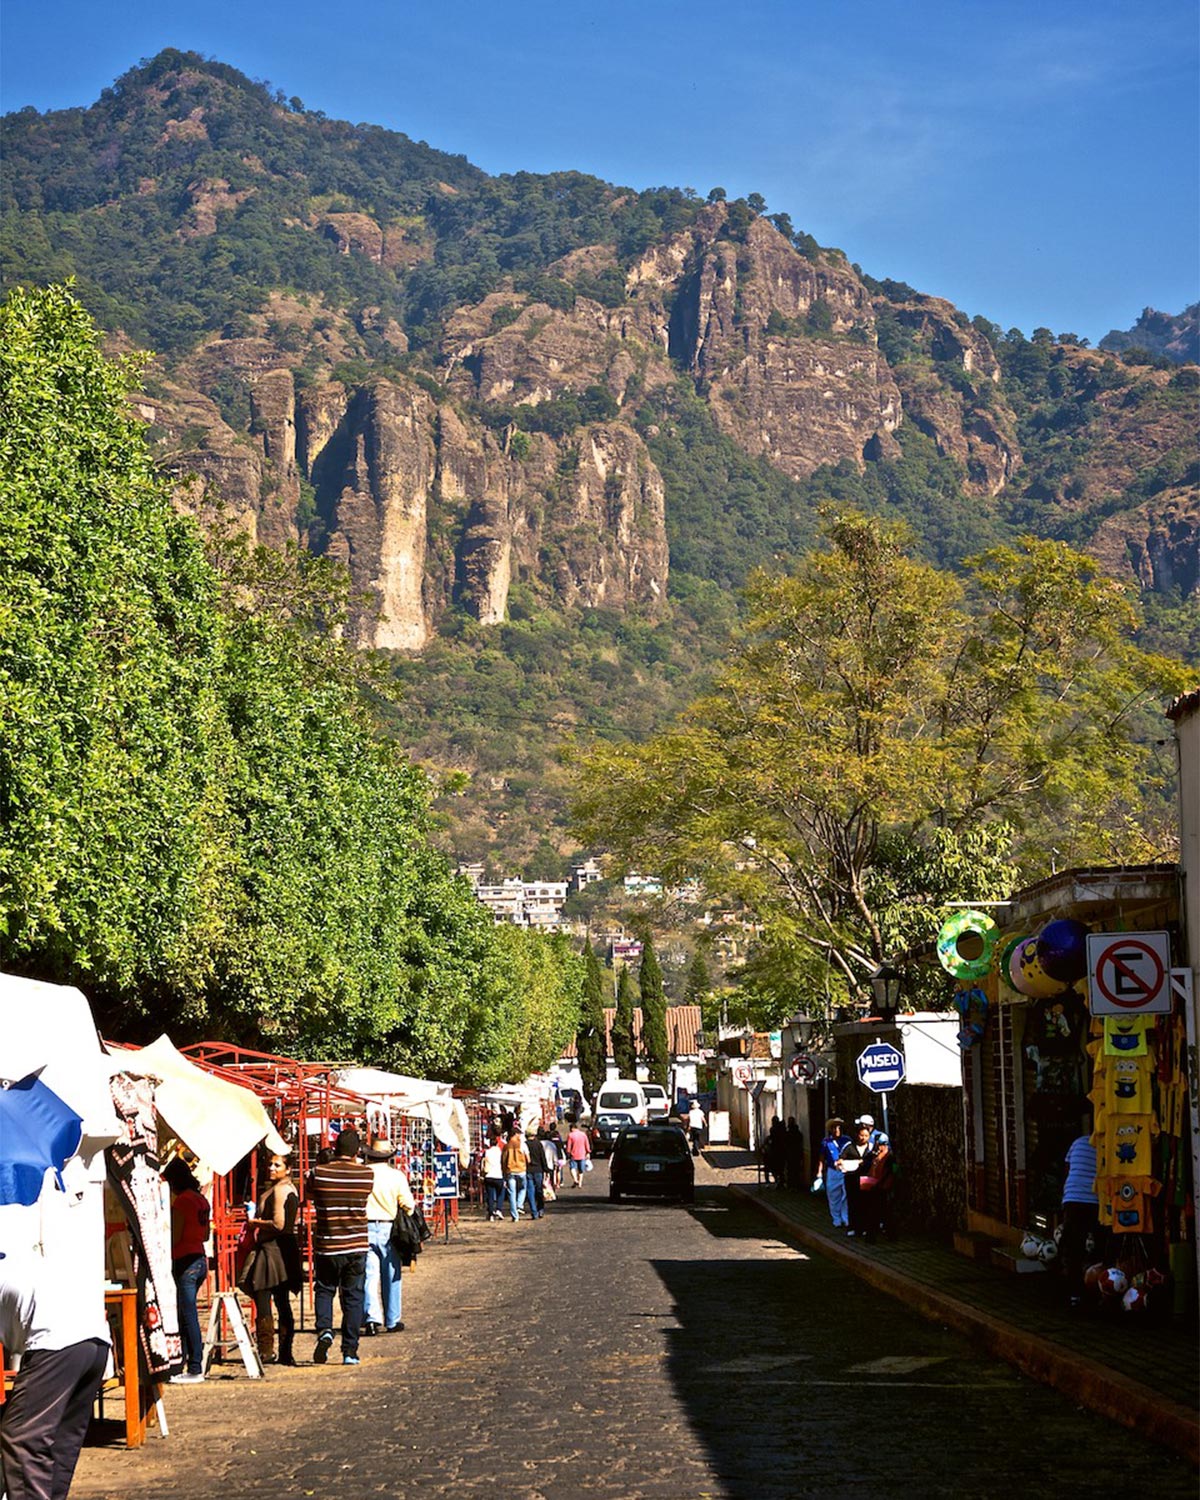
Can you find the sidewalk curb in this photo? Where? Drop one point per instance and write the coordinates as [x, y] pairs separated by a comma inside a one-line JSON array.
[[1092, 1385]]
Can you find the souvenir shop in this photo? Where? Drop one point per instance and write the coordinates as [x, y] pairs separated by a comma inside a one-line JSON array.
[[1048, 1055]]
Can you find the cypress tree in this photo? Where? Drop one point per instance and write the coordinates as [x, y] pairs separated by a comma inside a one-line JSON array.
[[654, 1016], [589, 1039], [624, 1044]]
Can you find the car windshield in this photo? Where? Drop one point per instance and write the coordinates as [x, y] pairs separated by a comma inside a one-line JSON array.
[[654, 1142], [621, 1099]]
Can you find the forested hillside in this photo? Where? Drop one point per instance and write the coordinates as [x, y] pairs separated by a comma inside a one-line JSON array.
[[551, 425]]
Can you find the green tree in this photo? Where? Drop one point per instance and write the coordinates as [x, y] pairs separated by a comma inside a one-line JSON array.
[[699, 982], [111, 812], [872, 705], [199, 819], [590, 1041], [624, 1041], [655, 1044]]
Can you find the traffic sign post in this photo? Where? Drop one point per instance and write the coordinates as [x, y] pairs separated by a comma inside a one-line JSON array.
[[881, 1068], [1129, 973]]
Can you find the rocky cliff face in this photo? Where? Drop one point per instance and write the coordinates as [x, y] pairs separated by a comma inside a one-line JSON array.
[[423, 504], [433, 495]]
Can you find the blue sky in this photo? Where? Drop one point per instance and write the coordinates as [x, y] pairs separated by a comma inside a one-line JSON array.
[[1034, 162]]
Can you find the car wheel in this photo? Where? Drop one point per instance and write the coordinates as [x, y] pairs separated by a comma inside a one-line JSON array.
[[614, 1194]]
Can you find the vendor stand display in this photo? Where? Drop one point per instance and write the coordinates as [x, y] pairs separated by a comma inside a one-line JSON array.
[[1040, 1068]]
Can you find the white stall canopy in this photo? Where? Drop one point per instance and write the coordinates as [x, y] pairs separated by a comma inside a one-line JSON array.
[[218, 1121], [421, 1098]]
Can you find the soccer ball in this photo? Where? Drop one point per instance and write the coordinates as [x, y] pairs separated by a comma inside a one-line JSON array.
[[1047, 1251], [1058, 1235], [1134, 1300], [1031, 1247], [1113, 1282]]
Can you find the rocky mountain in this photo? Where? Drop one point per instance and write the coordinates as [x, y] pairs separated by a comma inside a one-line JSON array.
[[454, 383], [528, 405], [1174, 338]]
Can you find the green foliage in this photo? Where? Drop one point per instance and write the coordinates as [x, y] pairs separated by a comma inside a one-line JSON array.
[[624, 1041], [654, 1015], [589, 1037], [877, 719], [198, 821]]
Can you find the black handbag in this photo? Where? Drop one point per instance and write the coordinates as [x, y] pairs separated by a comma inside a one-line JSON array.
[[405, 1239]]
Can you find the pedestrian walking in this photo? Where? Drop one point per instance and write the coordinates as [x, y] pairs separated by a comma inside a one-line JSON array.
[[493, 1178], [774, 1153], [190, 1217], [579, 1151], [272, 1272], [56, 1324], [516, 1161], [339, 1191], [390, 1191], [849, 1163], [876, 1180], [794, 1175], [696, 1126], [535, 1173], [829, 1176], [552, 1147], [1081, 1214]]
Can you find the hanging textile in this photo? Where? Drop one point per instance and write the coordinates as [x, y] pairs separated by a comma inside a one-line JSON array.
[[133, 1175]]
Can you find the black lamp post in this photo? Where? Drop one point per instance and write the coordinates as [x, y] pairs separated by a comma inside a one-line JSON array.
[[800, 1031], [885, 986]]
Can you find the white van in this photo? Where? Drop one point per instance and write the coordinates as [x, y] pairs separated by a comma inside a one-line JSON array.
[[622, 1096]]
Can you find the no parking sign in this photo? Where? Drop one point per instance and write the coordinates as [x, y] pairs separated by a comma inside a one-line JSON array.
[[1129, 973]]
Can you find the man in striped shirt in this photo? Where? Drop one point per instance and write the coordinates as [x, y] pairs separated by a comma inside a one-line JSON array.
[[338, 1192]]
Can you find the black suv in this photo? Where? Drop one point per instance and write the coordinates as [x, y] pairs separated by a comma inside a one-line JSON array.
[[654, 1160]]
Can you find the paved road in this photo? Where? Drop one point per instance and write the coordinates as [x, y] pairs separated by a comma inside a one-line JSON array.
[[636, 1351]]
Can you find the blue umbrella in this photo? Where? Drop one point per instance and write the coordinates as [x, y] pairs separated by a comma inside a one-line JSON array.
[[37, 1130]]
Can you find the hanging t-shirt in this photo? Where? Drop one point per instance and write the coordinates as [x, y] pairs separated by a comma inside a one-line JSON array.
[[1125, 1207], [1127, 1083], [1130, 1138], [1126, 1036]]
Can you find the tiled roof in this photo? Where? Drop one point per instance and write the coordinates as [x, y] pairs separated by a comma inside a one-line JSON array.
[[1185, 704], [683, 1022]]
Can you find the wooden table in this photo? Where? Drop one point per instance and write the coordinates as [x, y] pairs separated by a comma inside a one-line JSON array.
[[124, 1300]]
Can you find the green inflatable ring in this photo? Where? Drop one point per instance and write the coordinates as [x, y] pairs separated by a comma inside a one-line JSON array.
[[1006, 954], [958, 926]]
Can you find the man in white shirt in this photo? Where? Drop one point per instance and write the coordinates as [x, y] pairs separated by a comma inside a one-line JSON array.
[[57, 1325], [390, 1193], [696, 1124]]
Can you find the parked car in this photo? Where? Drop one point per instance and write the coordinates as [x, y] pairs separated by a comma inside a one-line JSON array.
[[652, 1160], [604, 1132], [658, 1106]]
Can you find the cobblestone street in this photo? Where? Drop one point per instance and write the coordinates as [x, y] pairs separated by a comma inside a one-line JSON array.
[[638, 1350]]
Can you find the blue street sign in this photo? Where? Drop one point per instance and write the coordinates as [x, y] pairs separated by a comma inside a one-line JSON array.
[[445, 1174], [881, 1067]]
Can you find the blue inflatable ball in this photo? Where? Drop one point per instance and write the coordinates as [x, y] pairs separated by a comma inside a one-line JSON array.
[[1062, 949]]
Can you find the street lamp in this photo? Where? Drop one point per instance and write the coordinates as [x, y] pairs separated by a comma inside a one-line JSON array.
[[799, 1031], [885, 986]]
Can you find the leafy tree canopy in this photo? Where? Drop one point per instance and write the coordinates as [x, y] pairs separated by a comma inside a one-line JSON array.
[[198, 820], [879, 731]]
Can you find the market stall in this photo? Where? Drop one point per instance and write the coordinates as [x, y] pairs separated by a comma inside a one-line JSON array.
[[1070, 1028]]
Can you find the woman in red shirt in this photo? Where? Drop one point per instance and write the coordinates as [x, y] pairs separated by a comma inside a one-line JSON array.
[[190, 1215]]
